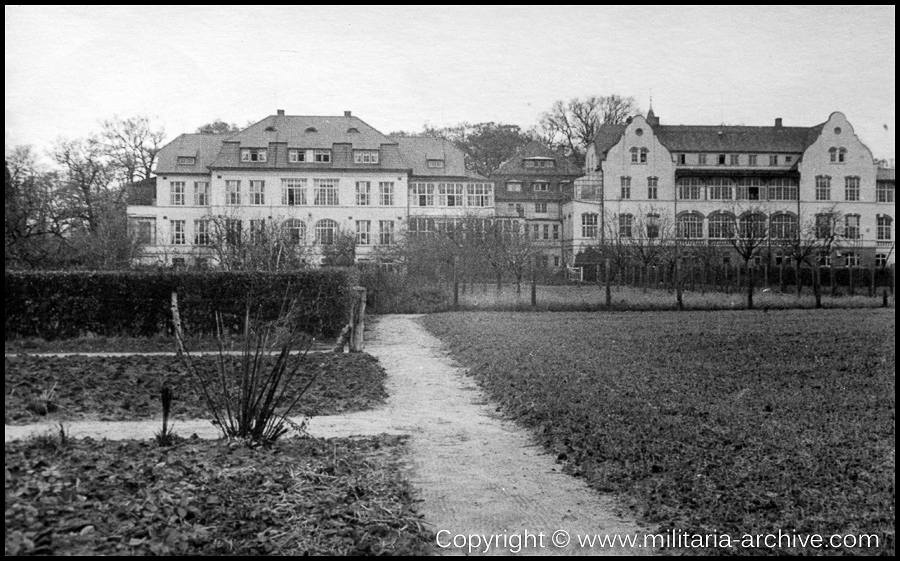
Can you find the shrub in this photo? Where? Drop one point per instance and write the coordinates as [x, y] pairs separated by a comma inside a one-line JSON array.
[[55, 305]]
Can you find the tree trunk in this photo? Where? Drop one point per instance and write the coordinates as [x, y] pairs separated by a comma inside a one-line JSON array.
[[872, 292], [357, 319], [797, 280], [817, 288], [749, 287], [850, 284], [608, 287], [781, 286], [678, 291]]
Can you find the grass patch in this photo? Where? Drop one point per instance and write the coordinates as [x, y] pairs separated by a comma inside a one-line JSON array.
[[743, 422], [128, 388], [299, 496]]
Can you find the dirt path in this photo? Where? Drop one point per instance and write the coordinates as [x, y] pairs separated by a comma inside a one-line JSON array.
[[477, 474]]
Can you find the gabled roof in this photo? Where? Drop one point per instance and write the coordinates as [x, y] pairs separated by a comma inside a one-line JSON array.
[[310, 132], [417, 150], [202, 147], [885, 174], [538, 150], [723, 138], [691, 138]]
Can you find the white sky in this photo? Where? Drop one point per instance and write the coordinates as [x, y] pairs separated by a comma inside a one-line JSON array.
[[68, 68]]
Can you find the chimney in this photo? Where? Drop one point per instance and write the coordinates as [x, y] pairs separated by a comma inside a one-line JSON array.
[[347, 114], [778, 123], [280, 112]]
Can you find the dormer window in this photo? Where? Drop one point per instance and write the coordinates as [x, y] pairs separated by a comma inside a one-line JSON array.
[[435, 164], [311, 129], [322, 156], [365, 156], [186, 160], [296, 156], [539, 163], [253, 155], [353, 130]]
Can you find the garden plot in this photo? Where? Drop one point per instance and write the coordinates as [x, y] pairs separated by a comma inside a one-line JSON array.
[[732, 422]]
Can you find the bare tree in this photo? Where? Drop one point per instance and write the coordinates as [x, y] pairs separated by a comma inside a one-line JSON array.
[[573, 125], [748, 234], [263, 245], [132, 145]]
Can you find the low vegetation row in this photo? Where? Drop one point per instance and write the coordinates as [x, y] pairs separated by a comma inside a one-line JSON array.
[[708, 423], [54, 305]]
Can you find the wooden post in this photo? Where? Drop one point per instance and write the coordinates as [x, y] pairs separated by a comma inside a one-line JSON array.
[[678, 290], [357, 319], [608, 287], [884, 299], [872, 292]]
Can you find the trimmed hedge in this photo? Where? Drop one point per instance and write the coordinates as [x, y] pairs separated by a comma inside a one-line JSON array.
[[56, 305]]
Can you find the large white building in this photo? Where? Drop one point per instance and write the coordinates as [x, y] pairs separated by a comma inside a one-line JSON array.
[[703, 180], [313, 177]]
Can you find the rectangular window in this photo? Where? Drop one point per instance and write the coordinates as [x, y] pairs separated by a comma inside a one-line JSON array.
[[546, 231], [884, 192], [783, 190], [881, 259], [824, 224], [479, 194], [589, 225], [514, 186], [773, 160], [386, 193], [851, 226], [626, 187], [186, 160], [363, 193], [145, 231], [652, 188], [752, 160], [682, 159], [178, 236], [540, 185], [232, 192], [322, 156], [423, 194], [823, 188], [201, 193], [883, 227], [257, 230], [720, 189], [365, 156], [701, 159], [296, 156], [540, 208], [257, 192], [652, 226], [625, 225], [556, 231], [253, 155], [233, 231], [386, 232], [177, 190], [721, 159], [689, 188], [735, 159], [851, 259], [293, 192], [851, 188], [435, 164], [201, 232], [788, 159], [363, 227], [450, 194], [325, 192]]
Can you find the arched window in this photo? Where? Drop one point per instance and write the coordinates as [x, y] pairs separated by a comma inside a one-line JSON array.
[[783, 226], [644, 153], [832, 154], [752, 226], [842, 155], [721, 226], [295, 230], [325, 231], [690, 225]]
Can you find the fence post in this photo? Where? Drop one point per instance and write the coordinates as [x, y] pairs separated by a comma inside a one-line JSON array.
[[678, 292], [872, 291], [850, 284], [884, 299], [357, 319]]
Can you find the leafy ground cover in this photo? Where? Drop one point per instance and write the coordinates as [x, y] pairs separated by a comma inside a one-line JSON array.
[[100, 344], [128, 388], [728, 422], [300, 496]]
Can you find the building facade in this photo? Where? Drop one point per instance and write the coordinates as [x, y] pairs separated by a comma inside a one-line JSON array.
[[311, 179], [700, 183]]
